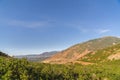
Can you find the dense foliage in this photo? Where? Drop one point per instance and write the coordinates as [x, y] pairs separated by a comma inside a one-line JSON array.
[[15, 69], [3, 54]]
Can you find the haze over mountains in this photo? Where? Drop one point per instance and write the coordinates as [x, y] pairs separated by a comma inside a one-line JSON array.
[[85, 52], [37, 57]]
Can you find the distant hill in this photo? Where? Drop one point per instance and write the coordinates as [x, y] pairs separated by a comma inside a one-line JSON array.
[[37, 57], [78, 52], [3, 54]]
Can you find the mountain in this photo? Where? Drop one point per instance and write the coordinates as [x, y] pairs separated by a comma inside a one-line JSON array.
[[76, 53], [104, 55], [37, 57]]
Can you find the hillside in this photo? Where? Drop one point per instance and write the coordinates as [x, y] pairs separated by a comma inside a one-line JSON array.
[[77, 52], [104, 55], [3, 54]]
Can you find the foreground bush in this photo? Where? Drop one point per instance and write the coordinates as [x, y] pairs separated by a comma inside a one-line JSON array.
[[15, 69]]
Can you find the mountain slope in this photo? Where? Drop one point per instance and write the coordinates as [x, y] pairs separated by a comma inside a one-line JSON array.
[[77, 52], [104, 55]]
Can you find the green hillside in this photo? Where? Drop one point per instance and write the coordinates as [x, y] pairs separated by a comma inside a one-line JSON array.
[[103, 55], [101, 43], [96, 44]]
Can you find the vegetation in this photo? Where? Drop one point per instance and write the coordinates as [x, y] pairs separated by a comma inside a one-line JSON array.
[[15, 69], [3, 54], [102, 55]]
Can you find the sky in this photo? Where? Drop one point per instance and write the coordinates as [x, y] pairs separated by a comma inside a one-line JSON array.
[[36, 26]]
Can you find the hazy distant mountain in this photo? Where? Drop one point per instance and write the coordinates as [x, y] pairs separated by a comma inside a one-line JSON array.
[[37, 57], [79, 52]]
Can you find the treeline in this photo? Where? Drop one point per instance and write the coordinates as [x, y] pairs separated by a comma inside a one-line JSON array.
[[15, 69], [3, 54]]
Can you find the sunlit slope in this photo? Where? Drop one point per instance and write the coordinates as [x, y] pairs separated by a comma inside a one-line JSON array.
[[80, 51], [104, 55]]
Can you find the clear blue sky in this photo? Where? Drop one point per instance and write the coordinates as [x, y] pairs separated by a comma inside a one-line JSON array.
[[35, 26]]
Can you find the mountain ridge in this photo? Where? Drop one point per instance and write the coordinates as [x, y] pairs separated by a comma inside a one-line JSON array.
[[37, 57], [80, 50]]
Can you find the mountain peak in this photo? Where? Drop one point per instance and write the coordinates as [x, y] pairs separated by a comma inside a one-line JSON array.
[[109, 37]]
